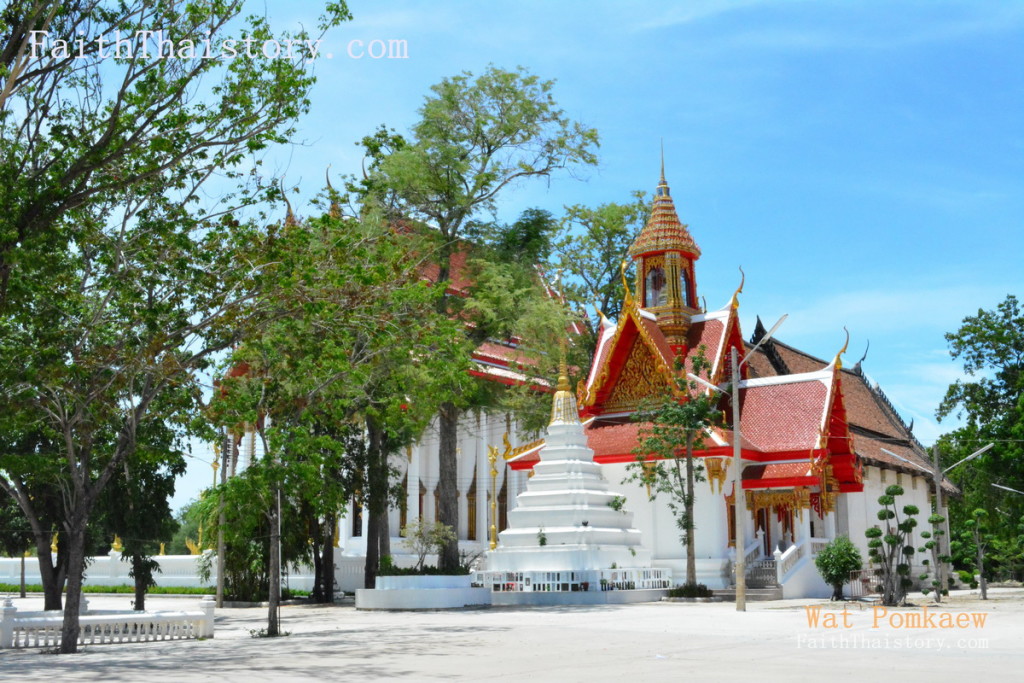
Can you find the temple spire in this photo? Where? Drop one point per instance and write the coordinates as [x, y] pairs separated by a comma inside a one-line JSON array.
[[662, 181]]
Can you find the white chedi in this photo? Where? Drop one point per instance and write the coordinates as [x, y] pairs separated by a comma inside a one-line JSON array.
[[564, 520]]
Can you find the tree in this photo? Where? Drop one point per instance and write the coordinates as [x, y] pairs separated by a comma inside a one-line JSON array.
[[933, 547], [355, 336], [135, 505], [673, 427], [835, 562], [475, 138], [991, 404], [890, 548], [978, 527], [78, 127], [591, 245], [116, 286]]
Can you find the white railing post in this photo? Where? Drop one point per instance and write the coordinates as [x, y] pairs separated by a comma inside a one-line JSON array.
[[7, 624], [778, 565], [207, 604]]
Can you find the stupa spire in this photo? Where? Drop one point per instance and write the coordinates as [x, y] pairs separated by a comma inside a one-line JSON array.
[[563, 407]]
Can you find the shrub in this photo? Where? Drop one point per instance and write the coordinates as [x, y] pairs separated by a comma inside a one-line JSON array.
[[690, 590], [835, 562], [425, 538]]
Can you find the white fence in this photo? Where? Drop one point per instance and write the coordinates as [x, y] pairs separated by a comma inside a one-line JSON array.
[[43, 629], [572, 581], [110, 570]]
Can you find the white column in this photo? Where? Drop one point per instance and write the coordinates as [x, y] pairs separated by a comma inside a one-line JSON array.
[[830, 524], [805, 524]]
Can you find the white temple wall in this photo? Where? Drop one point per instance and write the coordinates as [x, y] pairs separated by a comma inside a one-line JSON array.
[[420, 463]]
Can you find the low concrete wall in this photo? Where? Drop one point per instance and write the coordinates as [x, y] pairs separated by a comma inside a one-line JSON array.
[[423, 592]]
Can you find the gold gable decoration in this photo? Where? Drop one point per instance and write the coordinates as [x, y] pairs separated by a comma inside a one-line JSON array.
[[797, 499], [716, 472], [638, 380]]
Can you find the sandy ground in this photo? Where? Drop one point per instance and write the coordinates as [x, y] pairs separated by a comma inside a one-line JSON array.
[[772, 641]]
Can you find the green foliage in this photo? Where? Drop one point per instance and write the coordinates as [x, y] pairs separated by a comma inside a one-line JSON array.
[[691, 590], [890, 547], [835, 562], [617, 503], [590, 246]]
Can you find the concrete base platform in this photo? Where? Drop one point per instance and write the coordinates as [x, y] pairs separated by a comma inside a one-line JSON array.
[[539, 598], [422, 598]]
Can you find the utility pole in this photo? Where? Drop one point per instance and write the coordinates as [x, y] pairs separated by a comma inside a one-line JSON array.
[[739, 499], [227, 449], [943, 542]]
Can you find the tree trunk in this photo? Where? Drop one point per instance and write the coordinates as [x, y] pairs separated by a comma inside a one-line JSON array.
[[22, 593], [376, 501], [447, 485], [385, 531], [318, 567], [142, 576], [327, 563], [274, 597], [982, 581], [691, 555], [372, 551], [837, 592], [73, 600], [51, 576]]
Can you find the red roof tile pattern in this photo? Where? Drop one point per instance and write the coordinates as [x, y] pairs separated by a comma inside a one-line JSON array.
[[777, 471], [783, 417]]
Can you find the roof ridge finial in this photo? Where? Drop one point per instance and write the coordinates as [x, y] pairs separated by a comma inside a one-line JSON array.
[[735, 301], [838, 363]]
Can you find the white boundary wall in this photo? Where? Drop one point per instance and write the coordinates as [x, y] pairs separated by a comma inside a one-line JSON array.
[[110, 570]]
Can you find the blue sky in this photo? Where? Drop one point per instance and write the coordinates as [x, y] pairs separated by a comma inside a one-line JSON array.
[[863, 162]]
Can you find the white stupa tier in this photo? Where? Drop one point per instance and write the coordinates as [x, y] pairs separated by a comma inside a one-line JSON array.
[[564, 520]]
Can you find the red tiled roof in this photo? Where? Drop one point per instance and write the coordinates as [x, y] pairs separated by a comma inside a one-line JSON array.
[[708, 333], [783, 417], [613, 438], [777, 471], [459, 281]]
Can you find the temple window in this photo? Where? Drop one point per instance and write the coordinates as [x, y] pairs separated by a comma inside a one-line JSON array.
[[655, 291], [684, 288]]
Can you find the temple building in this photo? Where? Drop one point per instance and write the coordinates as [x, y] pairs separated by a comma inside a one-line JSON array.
[[819, 442]]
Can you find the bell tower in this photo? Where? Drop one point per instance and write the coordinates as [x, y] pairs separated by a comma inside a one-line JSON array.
[[665, 254]]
